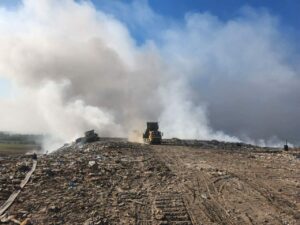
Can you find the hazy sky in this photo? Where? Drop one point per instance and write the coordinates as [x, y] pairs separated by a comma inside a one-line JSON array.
[[287, 12]]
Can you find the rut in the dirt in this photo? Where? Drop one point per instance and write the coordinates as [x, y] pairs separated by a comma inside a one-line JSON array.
[[170, 209]]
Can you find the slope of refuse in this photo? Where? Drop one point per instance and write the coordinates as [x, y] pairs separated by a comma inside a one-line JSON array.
[[181, 182]]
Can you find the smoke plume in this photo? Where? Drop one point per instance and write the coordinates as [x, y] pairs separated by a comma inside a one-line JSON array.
[[74, 67]]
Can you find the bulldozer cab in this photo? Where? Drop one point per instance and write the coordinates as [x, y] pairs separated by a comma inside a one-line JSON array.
[[153, 126]]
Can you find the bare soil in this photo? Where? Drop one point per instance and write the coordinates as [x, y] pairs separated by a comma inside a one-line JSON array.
[[180, 182]]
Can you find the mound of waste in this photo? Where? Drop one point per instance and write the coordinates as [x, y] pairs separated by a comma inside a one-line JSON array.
[[184, 182], [96, 183]]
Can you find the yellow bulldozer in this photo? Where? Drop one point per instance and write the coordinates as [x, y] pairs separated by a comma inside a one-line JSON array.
[[152, 135]]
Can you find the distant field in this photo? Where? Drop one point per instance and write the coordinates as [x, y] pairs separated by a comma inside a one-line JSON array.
[[16, 149]]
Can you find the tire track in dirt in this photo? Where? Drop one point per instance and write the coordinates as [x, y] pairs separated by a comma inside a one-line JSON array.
[[224, 197], [169, 208], [209, 210], [283, 205]]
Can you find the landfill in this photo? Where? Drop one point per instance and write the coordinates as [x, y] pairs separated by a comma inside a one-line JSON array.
[[182, 182]]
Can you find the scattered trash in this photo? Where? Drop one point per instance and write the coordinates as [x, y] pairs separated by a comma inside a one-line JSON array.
[[117, 182], [19, 185], [72, 184], [91, 163]]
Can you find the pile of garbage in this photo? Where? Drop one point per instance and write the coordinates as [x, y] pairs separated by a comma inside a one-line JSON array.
[[103, 182], [215, 144], [13, 171]]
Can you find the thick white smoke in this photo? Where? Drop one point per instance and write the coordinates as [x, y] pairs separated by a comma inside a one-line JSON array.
[[75, 68]]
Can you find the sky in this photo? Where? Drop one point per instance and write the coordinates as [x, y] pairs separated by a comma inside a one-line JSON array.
[[226, 70], [286, 11]]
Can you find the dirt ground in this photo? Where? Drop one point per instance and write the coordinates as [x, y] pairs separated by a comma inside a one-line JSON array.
[[182, 183]]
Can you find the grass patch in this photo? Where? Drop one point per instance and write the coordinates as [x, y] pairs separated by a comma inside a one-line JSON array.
[[16, 149]]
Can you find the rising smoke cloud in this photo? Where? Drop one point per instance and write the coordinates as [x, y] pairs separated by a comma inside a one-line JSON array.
[[74, 68]]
